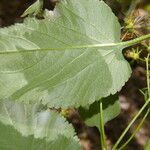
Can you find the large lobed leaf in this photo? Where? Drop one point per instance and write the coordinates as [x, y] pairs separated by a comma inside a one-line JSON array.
[[57, 61], [31, 127]]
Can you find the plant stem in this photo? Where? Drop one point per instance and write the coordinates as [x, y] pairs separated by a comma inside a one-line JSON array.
[[135, 41], [135, 131], [144, 106], [147, 75], [102, 131], [130, 124]]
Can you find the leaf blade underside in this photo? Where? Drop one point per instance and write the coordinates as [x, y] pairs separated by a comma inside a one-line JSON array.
[[29, 127], [70, 77]]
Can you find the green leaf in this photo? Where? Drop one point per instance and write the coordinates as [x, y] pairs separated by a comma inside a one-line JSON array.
[[73, 59], [91, 115], [11, 139], [28, 127], [29, 119], [34, 9]]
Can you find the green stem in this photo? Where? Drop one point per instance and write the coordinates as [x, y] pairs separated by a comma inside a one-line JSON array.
[[130, 124], [142, 121], [135, 131], [135, 41], [102, 131], [147, 75]]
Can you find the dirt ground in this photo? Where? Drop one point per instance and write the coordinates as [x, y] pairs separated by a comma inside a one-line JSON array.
[[130, 98]]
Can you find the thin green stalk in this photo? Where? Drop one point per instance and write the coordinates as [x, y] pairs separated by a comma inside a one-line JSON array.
[[148, 75], [120, 45], [130, 124], [135, 131], [135, 41], [141, 110], [102, 131]]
